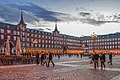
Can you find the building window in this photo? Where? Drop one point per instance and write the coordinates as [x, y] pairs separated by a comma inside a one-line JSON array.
[[23, 44], [8, 31], [2, 36], [27, 44], [35, 45], [39, 36], [2, 30], [14, 32], [42, 41], [32, 40], [14, 37], [42, 36], [32, 45], [43, 46], [39, 45], [18, 33], [23, 33], [39, 41], [31, 35], [23, 39], [46, 46], [8, 37], [28, 39], [27, 34], [35, 35]]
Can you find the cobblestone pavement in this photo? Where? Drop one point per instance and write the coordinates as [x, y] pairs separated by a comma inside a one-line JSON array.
[[65, 69]]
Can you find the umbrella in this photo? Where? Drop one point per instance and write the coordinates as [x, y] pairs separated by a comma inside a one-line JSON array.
[[18, 47], [7, 48]]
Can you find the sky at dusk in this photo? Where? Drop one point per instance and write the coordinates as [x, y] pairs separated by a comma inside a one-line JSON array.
[[75, 17]]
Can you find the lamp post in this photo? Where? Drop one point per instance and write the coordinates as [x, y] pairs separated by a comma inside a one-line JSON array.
[[93, 37]]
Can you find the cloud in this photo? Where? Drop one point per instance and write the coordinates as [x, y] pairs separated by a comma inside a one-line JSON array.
[[33, 14], [98, 19], [39, 16], [85, 14]]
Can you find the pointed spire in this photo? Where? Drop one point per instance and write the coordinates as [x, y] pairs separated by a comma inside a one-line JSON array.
[[21, 20], [56, 26]]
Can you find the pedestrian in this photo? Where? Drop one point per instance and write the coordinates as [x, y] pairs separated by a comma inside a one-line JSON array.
[[44, 60], [95, 60], [50, 60], [37, 58], [58, 56], [42, 57], [77, 55], [81, 55], [102, 60], [110, 58]]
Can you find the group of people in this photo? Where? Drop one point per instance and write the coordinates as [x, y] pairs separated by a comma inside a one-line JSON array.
[[44, 59], [96, 57]]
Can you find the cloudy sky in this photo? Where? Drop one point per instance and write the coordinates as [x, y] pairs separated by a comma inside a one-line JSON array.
[[75, 17]]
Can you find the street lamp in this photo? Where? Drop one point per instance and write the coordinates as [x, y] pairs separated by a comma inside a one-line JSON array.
[[93, 37]]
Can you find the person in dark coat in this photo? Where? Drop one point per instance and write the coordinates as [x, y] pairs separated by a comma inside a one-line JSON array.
[[37, 58], [102, 60], [42, 58], [110, 58], [50, 60], [95, 60]]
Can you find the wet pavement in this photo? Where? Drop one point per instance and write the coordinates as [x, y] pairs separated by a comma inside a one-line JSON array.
[[65, 69]]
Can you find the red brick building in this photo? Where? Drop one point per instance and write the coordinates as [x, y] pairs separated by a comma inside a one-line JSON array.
[[102, 43], [45, 40]]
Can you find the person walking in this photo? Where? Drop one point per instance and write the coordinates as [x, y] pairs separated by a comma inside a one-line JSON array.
[[110, 59], [95, 60], [37, 58], [81, 55], [102, 60], [50, 60], [42, 58]]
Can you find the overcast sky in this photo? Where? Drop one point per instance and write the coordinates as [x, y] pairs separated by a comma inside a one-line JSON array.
[[87, 16]]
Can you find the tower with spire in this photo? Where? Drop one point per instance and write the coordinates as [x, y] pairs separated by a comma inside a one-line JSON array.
[[22, 24], [22, 27], [56, 32]]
